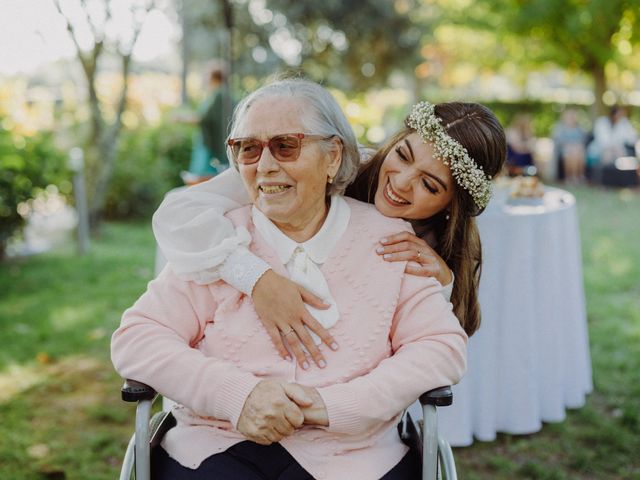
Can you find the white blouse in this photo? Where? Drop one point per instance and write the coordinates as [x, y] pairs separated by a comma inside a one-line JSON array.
[[201, 244], [304, 260]]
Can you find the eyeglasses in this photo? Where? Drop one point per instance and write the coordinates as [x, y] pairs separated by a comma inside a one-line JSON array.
[[284, 148]]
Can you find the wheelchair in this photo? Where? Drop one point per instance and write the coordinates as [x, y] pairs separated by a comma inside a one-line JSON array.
[[436, 454]]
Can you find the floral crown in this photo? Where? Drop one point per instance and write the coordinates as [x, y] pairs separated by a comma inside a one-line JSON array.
[[467, 173]]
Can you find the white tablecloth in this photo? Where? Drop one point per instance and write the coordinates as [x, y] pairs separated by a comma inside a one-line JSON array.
[[530, 359]]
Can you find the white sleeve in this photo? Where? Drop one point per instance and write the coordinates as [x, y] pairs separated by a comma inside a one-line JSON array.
[[447, 290], [197, 239]]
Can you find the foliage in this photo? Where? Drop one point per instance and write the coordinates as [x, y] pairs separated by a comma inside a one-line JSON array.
[[579, 35], [353, 48], [148, 165], [27, 165], [543, 115]]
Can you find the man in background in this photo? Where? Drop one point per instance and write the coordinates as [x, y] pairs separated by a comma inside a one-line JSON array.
[[208, 157]]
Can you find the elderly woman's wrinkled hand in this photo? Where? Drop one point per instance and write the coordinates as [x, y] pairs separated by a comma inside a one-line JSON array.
[[269, 414], [315, 413]]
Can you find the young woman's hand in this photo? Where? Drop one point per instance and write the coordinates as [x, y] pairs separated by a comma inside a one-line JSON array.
[[279, 303], [422, 259]]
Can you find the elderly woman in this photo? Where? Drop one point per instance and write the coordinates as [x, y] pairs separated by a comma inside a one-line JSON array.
[[244, 411]]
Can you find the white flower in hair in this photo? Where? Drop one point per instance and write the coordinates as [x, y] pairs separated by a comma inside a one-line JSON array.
[[467, 173]]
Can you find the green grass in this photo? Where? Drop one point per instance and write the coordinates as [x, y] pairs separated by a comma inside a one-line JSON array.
[[61, 416], [61, 413]]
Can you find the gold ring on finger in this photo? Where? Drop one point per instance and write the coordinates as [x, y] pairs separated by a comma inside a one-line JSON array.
[[419, 253], [291, 330]]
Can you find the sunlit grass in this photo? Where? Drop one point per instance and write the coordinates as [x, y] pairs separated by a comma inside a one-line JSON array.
[[61, 412], [18, 378]]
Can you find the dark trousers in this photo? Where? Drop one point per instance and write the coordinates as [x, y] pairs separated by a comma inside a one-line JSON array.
[[251, 461]]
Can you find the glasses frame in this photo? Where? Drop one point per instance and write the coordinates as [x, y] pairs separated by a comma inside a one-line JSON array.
[[269, 144]]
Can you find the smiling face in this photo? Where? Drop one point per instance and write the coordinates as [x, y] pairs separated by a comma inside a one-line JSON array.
[[291, 194], [412, 183]]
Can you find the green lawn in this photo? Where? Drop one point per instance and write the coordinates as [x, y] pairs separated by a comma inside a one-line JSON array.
[[61, 416], [59, 396]]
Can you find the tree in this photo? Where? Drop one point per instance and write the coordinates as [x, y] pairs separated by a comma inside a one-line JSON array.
[[354, 48], [330, 41], [586, 35], [88, 31]]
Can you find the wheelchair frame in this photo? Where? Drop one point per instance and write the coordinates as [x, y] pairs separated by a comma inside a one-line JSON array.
[[436, 451]]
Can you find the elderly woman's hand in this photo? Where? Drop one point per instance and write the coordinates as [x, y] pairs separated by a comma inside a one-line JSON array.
[[270, 413], [422, 259], [279, 303], [314, 413]]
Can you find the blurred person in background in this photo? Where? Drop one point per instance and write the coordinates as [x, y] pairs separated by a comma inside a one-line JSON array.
[[613, 137], [208, 155], [520, 146], [570, 140]]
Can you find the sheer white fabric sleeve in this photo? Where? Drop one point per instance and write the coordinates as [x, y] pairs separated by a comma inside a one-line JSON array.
[[197, 239], [447, 289]]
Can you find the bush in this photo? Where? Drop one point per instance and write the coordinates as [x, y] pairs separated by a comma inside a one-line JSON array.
[[148, 165], [27, 165], [543, 115]]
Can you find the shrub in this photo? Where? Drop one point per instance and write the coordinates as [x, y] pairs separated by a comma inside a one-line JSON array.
[[148, 165], [27, 165]]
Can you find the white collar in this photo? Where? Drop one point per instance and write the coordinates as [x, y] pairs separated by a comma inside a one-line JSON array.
[[317, 247]]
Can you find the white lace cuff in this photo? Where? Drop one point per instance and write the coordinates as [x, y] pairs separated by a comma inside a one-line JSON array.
[[447, 289], [242, 269]]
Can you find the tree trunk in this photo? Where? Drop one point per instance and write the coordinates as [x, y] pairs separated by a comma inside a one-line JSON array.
[[599, 87], [107, 151], [186, 54]]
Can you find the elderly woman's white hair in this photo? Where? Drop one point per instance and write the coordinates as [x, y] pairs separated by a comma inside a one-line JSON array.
[[323, 117]]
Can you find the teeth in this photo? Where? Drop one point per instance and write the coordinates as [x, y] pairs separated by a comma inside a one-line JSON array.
[[394, 197], [273, 188]]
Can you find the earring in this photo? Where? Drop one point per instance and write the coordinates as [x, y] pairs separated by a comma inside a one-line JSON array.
[[330, 181], [447, 216]]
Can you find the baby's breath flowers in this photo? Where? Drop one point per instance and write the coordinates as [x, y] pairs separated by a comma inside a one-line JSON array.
[[464, 170]]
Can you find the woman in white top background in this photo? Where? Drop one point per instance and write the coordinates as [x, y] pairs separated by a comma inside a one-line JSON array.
[[613, 137], [405, 178]]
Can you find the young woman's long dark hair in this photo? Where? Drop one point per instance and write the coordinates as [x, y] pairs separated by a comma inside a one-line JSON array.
[[455, 239]]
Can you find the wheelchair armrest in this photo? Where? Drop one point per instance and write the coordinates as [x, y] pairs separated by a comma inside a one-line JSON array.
[[133, 391], [439, 397]]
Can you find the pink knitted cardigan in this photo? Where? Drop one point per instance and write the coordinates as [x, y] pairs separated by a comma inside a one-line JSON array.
[[205, 348]]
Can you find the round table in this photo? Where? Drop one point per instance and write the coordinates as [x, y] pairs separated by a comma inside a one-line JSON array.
[[530, 359]]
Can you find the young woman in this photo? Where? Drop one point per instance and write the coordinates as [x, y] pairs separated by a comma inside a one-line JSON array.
[[411, 177]]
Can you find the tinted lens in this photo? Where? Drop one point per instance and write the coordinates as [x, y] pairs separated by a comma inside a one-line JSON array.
[[285, 148], [247, 150]]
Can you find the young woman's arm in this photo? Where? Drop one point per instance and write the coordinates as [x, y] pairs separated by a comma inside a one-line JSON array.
[[192, 232]]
